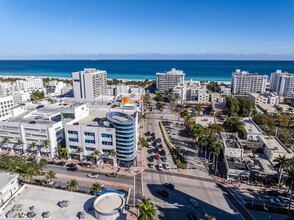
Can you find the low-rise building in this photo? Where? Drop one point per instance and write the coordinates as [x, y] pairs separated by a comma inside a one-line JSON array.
[[232, 146], [8, 186], [258, 98], [54, 87], [21, 96], [6, 103], [217, 97], [203, 96], [252, 131], [273, 148]]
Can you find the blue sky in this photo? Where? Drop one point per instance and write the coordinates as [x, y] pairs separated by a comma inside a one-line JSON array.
[[89, 28]]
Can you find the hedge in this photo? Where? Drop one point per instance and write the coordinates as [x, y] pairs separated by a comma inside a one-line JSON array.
[[179, 160]]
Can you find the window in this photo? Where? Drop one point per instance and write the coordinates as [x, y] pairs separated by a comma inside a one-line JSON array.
[[106, 135], [73, 139], [90, 149], [72, 147], [72, 132], [106, 143], [90, 141], [89, 134]]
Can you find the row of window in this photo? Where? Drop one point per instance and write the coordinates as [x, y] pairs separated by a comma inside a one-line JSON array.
[[90, 134], [106, 143], [89, 141]]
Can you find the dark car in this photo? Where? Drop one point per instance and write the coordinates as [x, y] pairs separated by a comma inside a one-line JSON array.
[[159, 140], [153, 134], [72, 169], [160, 146], [169, 186], [32, 122], [191, 216], [148, 133], [71, 165], [61, 163], [151, 158], [162, 152], [150, 151], [156, 150], [162, 193], [164, 159], [154, 143], [40, 106], [50, 162], [111, 175]]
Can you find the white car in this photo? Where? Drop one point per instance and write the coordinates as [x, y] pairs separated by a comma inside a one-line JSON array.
[[160, 167], [149, 145], [166, 166], [93, 175]]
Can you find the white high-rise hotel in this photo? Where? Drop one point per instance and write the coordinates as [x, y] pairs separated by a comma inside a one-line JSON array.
[[170, 79], [245, 82], [89, 84], [282, 83]]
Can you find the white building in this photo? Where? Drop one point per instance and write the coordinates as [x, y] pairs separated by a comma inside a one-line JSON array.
[[217, 97], [282, 83], [258, 98], [225, 90], [181, 91], [6, 103], [8, 186], [89, 84], [21, 96], [252, 131], [203, 96], [54, 87], [245, 82], [273, 148], [169, 80], [104, 130], [34, 125], [30, 83], [232, 147]]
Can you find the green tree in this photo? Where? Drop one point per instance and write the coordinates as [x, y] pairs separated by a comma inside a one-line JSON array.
[[112, 153], [198, 131], [50, 175], [159, 97], [45, 143], [198, 109], [234, 124], [142, 142], [278, 109], [72, 185], [30, 173], [281, 164], [207, 217], [4, 141], [213, 86], [96, 187], [19, 143], [63, 151], [79, 151], [96, 153], [146, 209], [214, 129], [289, 181], [32, 146], [184, 113]]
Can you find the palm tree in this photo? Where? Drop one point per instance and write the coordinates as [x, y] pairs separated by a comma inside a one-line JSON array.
[[207, 217], [30, 173], [289, 181], [19, 143], [32, 146], [281, 164], [198, 109], [147, 210], [198, 130], [45, 144], [112, 153], [72, 185], [50, 175], [63, 151], [142, 142], [4, 141], [184, 113], [79, 151], [96, 153], [96, 187]]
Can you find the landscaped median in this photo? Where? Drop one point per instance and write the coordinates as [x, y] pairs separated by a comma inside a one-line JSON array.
[[179, 160]]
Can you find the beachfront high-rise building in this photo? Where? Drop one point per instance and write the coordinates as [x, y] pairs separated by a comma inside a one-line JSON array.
[[245, 82], [170, 79], [282, 83], [89, 84]]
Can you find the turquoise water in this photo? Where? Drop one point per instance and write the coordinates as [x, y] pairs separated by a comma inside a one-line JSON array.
[[143, 69]]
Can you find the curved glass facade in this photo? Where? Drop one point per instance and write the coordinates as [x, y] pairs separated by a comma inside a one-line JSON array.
[[125, 140]]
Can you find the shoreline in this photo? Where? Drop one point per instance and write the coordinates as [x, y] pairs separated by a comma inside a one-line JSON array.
[[124, 80]]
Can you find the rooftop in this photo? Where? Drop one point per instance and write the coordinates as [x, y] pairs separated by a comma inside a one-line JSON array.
[[231, 140], [5, 178], [251, 127], [45, 199], [109, 202], [235, 164], [274, 144], [172, 72], [205, 121]]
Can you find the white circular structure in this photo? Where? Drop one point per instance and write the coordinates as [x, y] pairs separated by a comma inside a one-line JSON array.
[[110, 206]]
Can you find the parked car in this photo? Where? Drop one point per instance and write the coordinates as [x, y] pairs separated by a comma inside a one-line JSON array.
[[149, 145], [150, 151], [32, 122], [157, 156], [280, 203], [160, 146], [194, 203], [164, 159], [151, 165], [273, 202], [114, 175], [61, 163], [286, 201], [151, 158], [162, 152], [166, 166], [169, 186], [159, 140], [156, 150], [71, 165], [191, 216], [153, 134], [160, 167], [93, 175], [162, 193]]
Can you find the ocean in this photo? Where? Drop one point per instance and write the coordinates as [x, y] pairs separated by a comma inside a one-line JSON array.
[[218, 70]]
